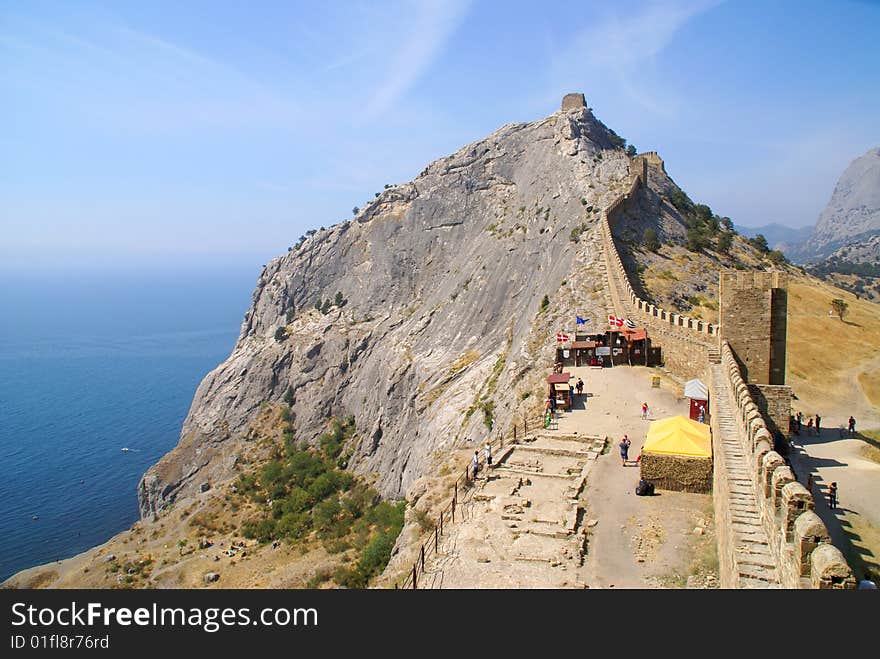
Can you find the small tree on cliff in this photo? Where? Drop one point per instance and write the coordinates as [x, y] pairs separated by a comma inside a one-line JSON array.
[[650, 240], [840, 307]]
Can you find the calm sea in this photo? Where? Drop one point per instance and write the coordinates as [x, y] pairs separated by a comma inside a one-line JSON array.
[[89, 365]]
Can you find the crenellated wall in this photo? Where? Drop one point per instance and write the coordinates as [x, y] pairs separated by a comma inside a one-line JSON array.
[[799, 540], [684, 340]]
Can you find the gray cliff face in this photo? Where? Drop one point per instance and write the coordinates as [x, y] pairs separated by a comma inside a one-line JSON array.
[[447, 269], [852, 215]]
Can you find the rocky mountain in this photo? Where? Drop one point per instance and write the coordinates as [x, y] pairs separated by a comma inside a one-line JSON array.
[[450, 288], [852, 215]]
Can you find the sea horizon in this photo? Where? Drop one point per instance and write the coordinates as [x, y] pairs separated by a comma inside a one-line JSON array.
[[96, 362]]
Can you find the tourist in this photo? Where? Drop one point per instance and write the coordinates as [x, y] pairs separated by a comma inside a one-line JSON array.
[[852, 427], [624, 450], [644, 410], [867, 583], [818, 421], [810, 483], [475, 463], [580, 387], [832, 496], [488, 456], [702, 416], [810, 426]]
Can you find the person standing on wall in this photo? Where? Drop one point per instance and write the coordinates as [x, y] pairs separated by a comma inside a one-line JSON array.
[[851, 426], [818, 421]]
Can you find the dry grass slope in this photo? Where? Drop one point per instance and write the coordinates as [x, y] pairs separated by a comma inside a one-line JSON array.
[[833, 366]]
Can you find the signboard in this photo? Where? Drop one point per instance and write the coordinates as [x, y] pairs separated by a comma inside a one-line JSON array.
[[655, 382], [565, 354], [617, 351], [603, 350]]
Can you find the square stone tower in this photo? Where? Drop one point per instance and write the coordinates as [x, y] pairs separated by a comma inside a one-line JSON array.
[[754, 320]]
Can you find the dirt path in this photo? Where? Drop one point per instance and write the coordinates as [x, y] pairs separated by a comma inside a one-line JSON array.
[[855, 524], [637, 542]]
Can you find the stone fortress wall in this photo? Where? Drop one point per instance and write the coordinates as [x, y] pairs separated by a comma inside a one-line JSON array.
[[684, 340], [799, 541]]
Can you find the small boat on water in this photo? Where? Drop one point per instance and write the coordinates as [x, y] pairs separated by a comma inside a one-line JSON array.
[[125, 448], [35, 517]]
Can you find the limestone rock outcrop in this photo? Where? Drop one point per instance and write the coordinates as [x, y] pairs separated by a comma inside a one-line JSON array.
[[441, 283]]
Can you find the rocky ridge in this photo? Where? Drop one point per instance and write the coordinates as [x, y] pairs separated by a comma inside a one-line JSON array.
[[442, 281]]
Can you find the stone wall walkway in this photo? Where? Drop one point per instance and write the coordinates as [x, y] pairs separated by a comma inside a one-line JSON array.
[[753, 563]]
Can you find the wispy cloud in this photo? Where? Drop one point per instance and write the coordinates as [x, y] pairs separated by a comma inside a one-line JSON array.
[[621, 45], [434, 24]]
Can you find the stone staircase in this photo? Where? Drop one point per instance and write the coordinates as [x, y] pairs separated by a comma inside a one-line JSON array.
[[754, 563]]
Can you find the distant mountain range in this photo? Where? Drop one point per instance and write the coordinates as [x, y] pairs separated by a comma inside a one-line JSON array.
[[847, 228], [778, 236]]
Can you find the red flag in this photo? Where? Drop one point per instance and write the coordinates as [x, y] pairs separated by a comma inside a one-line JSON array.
[[561, 337]]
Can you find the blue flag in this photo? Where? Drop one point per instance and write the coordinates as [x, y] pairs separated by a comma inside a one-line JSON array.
[[581, 321]]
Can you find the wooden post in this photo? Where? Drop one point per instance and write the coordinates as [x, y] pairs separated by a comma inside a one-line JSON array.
[[423, 559], [436, 540], [415, 586], [514, 433]]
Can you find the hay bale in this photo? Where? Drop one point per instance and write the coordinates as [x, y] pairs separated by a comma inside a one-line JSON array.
[[677, 472]]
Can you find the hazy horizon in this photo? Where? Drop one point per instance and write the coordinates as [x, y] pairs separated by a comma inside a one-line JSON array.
[[167, 136]]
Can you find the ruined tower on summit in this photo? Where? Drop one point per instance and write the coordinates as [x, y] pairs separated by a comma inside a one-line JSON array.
[[573, 102]]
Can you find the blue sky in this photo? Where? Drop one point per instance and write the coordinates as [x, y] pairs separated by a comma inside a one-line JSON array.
[[167, 132]]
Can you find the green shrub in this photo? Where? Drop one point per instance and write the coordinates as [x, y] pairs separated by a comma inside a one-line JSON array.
[[650, 240], [281, 334], [545, 302], [289, 396]]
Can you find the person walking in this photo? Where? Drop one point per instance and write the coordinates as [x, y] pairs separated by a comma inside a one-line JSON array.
[[832, 496], [624, 450], [488, 456], [810, 426], [644, 411], [475, 463], [851, 426], [818, 421], [702, 416], [580, 387]]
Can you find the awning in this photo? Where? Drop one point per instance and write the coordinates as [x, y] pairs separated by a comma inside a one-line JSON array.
[[678, 435], [583, 344], [696, 389], [638, 334], [558, 378]]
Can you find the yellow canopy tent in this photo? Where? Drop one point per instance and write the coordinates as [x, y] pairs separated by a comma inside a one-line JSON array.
[[678, 435]]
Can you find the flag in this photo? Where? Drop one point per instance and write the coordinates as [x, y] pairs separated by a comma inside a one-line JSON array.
[[612, 319], [629, 323], [618, 322], [581, 321], [561, 337]]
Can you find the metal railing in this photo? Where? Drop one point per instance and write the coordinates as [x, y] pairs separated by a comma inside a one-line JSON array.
[[430, 544]]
